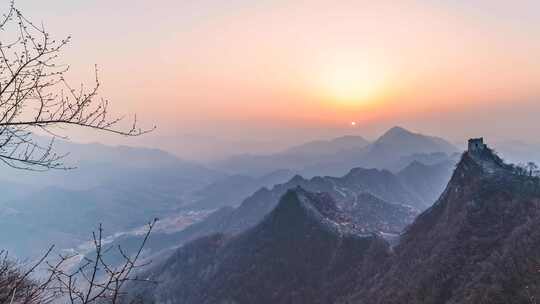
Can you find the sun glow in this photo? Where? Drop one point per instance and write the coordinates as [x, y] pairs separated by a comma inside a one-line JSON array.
[[353, 82], [353, 86]]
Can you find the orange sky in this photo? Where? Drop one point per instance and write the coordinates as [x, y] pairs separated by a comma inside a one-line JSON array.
[[289, 70]]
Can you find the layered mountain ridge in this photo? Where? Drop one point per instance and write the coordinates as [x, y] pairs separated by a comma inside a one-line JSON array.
[[479, 243], [302, 252], [369, 194], [393, 150]]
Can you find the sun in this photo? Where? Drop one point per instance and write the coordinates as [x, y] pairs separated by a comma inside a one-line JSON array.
[[352, 85], [351, 81]]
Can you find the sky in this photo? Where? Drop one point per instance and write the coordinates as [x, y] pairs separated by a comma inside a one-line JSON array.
[[222, 76]]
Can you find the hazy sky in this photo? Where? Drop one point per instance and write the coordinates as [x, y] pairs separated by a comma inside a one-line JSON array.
[[283, 71]]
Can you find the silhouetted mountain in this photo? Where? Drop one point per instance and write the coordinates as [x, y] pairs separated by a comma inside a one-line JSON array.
[[479, 243], [302, 252], [379, 193], [298, 158], [397, 143], [345, 190], [406, 142], [388, 152]]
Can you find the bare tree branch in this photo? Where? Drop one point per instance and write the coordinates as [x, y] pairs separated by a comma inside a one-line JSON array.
[[101, 281], [92, 281], [35, 96]]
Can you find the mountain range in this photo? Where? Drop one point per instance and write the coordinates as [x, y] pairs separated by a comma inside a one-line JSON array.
[[479, 243], [112, 181], [337, 157], [398, 198], [109, 182], [295, 255]]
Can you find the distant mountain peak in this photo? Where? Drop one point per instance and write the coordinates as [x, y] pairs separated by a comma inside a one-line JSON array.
[[398, 130], [297, 178], [299, 204], [456, 251], [322, 203], [396, 133], [399, 142], [300, 253]]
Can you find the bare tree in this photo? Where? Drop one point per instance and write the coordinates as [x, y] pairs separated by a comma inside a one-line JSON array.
[[96, 280], [532, 168], [34, 95], [529, 169], [17, 286], [93, 281]]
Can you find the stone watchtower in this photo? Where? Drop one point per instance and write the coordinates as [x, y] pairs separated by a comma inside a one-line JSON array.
[[485, 157], [477, 145]]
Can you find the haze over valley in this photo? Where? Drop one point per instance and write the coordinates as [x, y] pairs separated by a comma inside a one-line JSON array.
[[269, 152]]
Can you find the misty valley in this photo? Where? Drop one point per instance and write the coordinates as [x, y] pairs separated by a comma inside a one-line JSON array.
[[283, 231], [269, 152]]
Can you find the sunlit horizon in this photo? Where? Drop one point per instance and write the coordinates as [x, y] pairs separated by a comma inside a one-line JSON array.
[[282, 71]]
